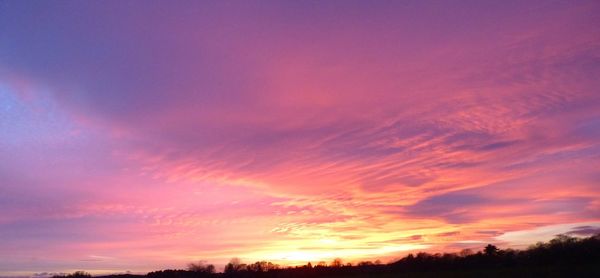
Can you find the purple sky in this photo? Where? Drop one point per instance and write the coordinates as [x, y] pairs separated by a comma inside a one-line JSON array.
[[139, 135]]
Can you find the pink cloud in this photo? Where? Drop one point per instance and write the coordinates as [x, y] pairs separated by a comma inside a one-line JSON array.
[[130, 143]]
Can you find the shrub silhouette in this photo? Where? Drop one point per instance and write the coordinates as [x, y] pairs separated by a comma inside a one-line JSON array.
[[235, 265], [490, 250], [76, 274], [201, 267], [262, 266], [337, 262]]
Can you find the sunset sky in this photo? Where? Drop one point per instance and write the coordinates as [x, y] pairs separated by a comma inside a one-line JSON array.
[[143, 135]]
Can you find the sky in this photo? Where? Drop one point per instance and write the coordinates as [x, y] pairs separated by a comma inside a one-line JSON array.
[[143, 135]]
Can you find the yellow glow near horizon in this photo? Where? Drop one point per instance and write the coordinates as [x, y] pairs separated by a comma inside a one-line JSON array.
[[315, 254]]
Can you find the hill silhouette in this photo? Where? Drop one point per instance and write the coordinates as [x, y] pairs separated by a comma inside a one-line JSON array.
[[563, 256]]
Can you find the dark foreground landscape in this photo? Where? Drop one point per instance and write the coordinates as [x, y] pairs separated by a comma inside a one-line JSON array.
[[563, 256]]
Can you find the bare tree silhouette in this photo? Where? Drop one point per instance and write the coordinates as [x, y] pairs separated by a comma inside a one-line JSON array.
[[201, 267]]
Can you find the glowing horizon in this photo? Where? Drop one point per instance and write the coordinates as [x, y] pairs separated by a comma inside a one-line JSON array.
[[147, 135]]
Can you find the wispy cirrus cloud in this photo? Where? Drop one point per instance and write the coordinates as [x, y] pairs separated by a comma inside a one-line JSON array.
[[290, 132]]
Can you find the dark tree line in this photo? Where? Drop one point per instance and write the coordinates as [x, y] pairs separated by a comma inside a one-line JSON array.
[[563, 256]]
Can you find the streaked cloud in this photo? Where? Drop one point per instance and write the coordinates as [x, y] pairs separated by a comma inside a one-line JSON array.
[[145, 136]]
